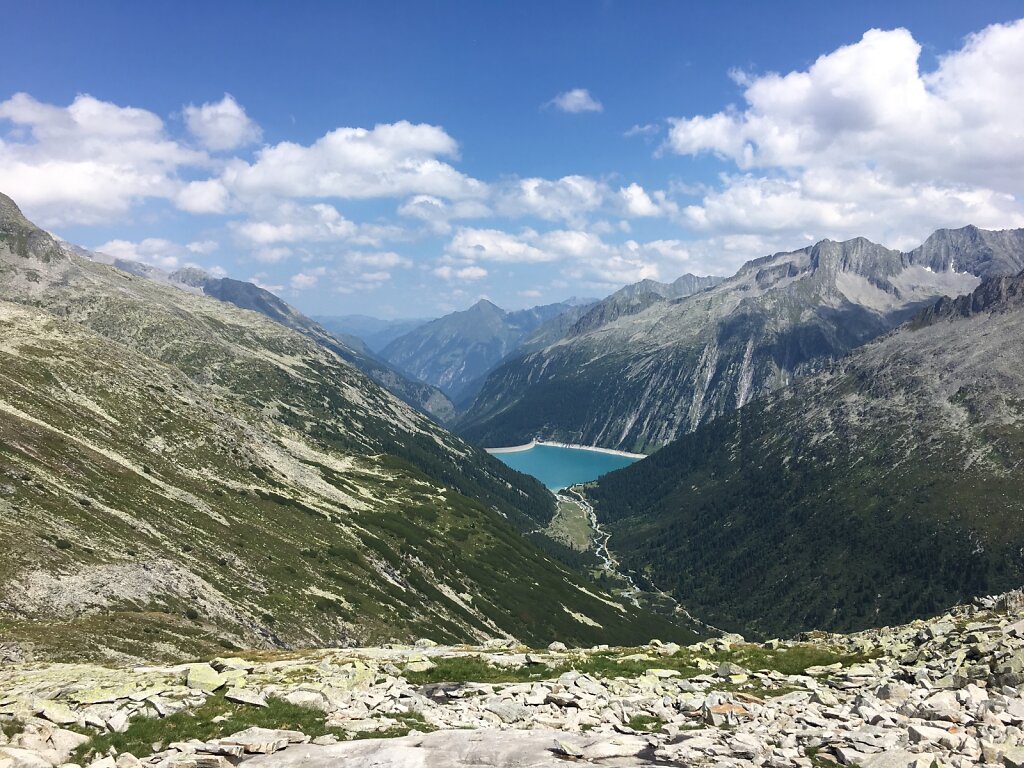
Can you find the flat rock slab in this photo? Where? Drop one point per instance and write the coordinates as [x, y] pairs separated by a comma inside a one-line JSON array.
[[457, 749]]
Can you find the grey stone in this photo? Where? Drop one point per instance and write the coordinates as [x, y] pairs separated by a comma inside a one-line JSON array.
[[450, 749], [23, 758], [310, 699], [508, 711], [897, 758], [203, 677], [246, 696], [264, 741], [727, 668]]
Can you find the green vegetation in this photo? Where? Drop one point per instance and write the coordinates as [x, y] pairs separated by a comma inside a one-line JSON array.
[[793, 660], [788, 660], [612, 664], [647, 723], [847, 503], [180, 446], [570, 526], [125, 633], [410, 721], [143, 732], [466, 669], [10, 728]]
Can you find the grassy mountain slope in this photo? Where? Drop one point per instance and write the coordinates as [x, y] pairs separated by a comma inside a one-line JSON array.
[[879, 490], [246, 295], [176, 472], [641, 369]]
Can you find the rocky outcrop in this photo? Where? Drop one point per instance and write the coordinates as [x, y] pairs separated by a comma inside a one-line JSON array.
[[948, 689]]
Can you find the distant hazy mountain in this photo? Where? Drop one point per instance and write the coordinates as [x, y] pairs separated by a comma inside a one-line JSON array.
[[375, 332], [876, 491], [453, 351], [639, 369], [178, 475]]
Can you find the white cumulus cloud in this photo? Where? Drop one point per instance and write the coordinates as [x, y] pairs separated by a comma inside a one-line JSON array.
[[569, 199], [636, 201], [221, 125], [204, 247], [464, 274], [580, 255], [389, 160], [866, 142], [575, 101], [306, 279], [88, 162], [155, 251], [494, 245]]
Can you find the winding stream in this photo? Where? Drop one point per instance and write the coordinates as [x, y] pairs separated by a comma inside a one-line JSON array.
[[611, 565]]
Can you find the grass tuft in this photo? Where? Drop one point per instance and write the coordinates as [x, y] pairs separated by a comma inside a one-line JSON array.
[[142, 733]]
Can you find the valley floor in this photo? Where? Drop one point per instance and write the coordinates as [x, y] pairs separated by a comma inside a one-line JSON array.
[[945, 690]]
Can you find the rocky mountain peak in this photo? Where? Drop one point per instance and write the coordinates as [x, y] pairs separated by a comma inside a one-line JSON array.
[[10, 213], [986, 253], [859, 255], [486, 306], [23, 237], [191, 276]]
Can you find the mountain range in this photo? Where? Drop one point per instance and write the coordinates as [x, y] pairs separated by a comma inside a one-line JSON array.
[[645, 366], [188, 462], [178, 473], [879, 488], [376, 333], [457, 350]]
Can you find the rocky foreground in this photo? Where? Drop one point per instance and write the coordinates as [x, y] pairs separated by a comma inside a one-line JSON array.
[[946, 690]]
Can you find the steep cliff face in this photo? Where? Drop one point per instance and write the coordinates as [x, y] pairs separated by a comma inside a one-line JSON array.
[[638, 370], [981, 252], [874, 491]]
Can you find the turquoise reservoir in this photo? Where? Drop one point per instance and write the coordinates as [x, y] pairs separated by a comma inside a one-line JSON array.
[[559, 467]]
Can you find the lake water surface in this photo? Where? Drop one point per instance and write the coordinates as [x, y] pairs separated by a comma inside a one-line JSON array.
[[559, 467]]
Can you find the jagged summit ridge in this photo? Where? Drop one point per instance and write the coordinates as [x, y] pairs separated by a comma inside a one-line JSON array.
[[981, 252], [638, 371]]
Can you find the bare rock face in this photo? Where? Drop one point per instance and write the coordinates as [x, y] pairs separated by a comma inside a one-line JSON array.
[[641, 369], [462, 749]]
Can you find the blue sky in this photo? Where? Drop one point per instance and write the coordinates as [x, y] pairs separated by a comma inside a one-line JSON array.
[[405, 159]]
